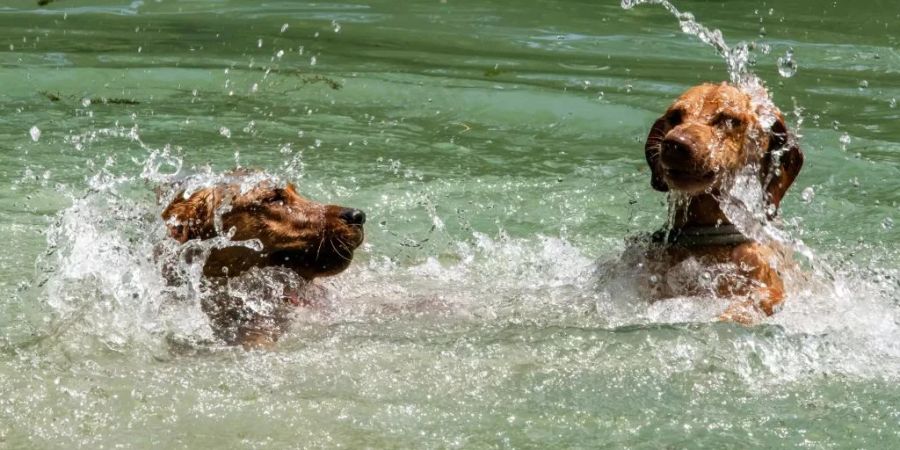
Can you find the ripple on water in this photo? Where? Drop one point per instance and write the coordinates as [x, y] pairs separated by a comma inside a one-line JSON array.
[[483, 339]]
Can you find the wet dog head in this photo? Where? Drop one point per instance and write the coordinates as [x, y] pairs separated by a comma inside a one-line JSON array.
[[307, 237], [710, 133]]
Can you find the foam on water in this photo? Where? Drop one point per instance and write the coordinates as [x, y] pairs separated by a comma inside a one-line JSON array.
[[107, 253], [403, 344], [453, 328], [107, 287]]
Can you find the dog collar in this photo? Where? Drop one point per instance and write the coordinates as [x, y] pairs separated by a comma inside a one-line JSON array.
[[697, 236]]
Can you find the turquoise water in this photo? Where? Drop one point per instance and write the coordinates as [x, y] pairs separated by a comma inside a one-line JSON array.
[[497, 148]]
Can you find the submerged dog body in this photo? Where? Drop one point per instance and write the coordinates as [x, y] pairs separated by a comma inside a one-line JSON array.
[[282, 230], [696, 151]]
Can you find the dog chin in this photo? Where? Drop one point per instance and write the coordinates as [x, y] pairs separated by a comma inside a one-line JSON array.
[[689, 182], [353, 238]]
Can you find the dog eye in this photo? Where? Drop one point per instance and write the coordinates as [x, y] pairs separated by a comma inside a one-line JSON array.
[[276, 196], [675, 117], [727, 121]]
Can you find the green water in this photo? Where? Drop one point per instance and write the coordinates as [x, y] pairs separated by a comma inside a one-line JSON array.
[[497, 149]]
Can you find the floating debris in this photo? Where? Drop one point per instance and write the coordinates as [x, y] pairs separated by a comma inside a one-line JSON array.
[[88, 101], [51, 96], [310, 79], [114, 101], [494, 71]]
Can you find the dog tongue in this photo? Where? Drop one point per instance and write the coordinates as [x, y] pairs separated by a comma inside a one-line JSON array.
[[293, 297]]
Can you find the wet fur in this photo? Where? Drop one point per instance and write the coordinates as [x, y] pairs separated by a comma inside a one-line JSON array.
[[709, 134], [305, 237]]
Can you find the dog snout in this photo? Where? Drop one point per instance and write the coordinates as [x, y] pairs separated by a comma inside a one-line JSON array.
[[678, 150], [353, 216]]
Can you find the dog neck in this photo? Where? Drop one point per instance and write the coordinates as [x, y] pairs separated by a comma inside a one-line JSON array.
[[701, 210], [699, 221]]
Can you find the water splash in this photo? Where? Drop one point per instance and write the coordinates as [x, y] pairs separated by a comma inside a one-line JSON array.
[[737, 58], [742, 198]]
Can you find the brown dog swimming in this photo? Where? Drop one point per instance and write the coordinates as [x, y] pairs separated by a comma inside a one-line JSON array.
[[696, 150], [292, 232]]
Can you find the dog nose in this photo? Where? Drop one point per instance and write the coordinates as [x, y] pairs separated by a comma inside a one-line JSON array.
[[677, 150], [353, 216]]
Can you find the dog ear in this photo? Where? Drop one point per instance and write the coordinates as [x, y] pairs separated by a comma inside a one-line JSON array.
[[781, 164], [192, 217], [652, 148]]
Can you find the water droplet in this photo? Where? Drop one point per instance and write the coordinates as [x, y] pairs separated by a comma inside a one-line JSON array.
[[887, 223], [254, 88], [312, 61], [336, 26], [35, 133], [628, 4], [259, 43], [893, 103], [863, 84], [250, 127], [280, 54], [845, 141], [808, 194], [628, 88], [85, 102], [284, 28], [225, 132], [787, 67]]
